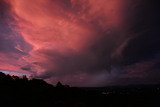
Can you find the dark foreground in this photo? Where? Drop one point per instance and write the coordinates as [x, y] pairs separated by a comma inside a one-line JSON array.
[[21, 92]]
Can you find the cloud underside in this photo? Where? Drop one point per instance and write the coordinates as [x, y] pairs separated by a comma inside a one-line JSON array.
[[81, 42]]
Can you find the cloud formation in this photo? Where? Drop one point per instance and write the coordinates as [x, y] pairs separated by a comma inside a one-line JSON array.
[[83, 42], [12, 45]]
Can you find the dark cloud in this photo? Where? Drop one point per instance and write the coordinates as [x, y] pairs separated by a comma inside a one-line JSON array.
[[141, 52], [139, 43], [145, 41], [143, 47], [112, 43], [27, 68]]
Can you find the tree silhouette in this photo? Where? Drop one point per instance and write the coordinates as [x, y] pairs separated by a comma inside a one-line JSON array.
[[59, 84], [16, 91]]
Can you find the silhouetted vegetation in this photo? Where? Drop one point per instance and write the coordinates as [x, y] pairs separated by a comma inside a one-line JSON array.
[[24, 92]]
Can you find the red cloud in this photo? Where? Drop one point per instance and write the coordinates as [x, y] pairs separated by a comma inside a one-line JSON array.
[[65, 28]]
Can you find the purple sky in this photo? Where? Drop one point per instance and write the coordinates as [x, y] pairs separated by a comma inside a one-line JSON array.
[[81, 42]]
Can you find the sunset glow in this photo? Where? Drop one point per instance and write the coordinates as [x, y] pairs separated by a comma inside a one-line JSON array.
[[73, 41]]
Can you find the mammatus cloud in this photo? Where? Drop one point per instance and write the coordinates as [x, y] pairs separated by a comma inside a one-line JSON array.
[[77, 41]]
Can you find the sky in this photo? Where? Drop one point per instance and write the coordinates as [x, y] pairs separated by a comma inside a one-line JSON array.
[[81, 42]]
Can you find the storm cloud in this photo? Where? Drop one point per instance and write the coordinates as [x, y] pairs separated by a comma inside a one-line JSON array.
[[83, 42]]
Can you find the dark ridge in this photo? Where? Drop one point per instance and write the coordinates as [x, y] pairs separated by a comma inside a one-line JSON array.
[[22, 92]]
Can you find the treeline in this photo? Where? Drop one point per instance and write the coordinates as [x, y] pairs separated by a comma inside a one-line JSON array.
[[24, 92], [8, 80]]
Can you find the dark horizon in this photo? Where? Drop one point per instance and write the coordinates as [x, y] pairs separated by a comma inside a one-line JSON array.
[[107, 86], [18, 92]]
